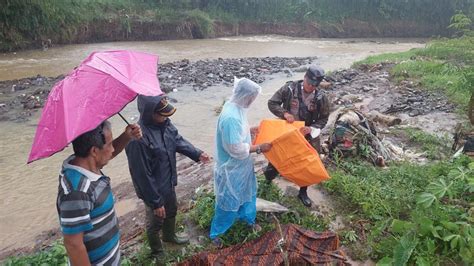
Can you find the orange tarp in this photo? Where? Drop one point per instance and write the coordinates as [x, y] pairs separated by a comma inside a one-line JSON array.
[[271, 129], [292, 155]]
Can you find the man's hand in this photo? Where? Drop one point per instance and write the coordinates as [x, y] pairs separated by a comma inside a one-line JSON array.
[[133, 131], [160, 212], [264, 147], [204, 158], [289, 117], [254, 130], [305, 130]]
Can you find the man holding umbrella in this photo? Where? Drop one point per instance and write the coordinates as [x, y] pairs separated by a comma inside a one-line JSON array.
[[75, 111], [152, 162], [85, 202]]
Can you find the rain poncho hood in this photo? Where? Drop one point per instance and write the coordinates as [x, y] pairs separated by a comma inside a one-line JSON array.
[[146, 107], [152, 159], [235, 184]]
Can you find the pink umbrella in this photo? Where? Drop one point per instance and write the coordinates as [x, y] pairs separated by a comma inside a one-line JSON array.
[[97, 89]]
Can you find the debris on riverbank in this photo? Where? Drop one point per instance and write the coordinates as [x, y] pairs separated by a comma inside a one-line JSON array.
[[20, 98]]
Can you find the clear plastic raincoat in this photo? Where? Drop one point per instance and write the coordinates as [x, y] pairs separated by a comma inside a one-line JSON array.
[[235, 184]]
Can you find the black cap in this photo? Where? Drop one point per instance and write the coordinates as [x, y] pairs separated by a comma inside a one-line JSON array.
[[164, 108], [315, 75]]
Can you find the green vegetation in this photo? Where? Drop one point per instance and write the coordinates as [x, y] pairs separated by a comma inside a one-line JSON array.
[[29, 23], [55, 255], [204, 210], [434, 147], [408, 213], [445, 65]]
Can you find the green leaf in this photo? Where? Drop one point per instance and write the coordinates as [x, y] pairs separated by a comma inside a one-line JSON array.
[[435, 230], [438, 188], [456, 241], [450, 226], [386, 261], [448, 237], [430, 246], [466, 255], [425, 199], [458, 173], [420, 261], [404, 249], [471, 166], [425, 226], [401, 227]]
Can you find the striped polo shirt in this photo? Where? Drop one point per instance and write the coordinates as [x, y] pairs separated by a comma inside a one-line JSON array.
[[85, 204]]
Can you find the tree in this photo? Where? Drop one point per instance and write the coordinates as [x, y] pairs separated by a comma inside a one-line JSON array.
[[460, 23]]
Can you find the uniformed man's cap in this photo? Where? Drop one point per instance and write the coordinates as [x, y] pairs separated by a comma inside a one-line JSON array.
[[164, 108], [315, 75]]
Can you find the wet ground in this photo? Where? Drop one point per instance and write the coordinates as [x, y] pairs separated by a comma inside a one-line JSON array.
[[19, 99]]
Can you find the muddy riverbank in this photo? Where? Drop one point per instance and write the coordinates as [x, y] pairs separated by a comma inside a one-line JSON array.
[[19, 99], [367, 88]]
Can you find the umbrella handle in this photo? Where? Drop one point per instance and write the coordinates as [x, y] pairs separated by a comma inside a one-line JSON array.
[[123, 118]]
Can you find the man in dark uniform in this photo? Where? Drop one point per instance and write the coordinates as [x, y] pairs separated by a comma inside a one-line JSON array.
[[301, 101], [152, 162]]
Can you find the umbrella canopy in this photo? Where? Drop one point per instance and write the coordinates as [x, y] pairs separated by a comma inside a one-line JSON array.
[[97, 89]]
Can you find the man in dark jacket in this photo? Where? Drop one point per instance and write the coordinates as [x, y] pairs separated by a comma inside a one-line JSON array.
[[301, 101], [152, 162]]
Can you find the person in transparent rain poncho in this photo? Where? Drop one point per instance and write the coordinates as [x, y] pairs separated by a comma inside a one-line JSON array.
[[235, 183]]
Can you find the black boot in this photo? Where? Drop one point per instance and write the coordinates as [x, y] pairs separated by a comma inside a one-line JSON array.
[[270, 173], [303, 196], [153, 226], [156, 246], [169, 233]]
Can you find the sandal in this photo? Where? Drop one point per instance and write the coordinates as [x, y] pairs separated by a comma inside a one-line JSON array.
[[255, 228], [217, 242]]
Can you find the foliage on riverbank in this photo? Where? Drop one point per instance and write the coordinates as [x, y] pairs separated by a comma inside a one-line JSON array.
[[54, 255], [32, 23], [408, 213], [415, 214], [445, 65]]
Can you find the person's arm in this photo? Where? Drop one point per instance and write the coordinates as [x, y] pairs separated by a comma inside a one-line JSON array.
[[76, 250], [324, 113], [264, 147], [185, 147], [74, 217], [276, 101], [141, 172], [132, 131]]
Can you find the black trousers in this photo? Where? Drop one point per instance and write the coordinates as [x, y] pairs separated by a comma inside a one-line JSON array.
[[271, 172], [153, 222]]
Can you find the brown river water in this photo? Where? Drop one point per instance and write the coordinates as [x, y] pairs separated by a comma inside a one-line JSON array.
[[28, 192]]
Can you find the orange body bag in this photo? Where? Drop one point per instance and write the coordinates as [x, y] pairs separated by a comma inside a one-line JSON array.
[[291, 154]]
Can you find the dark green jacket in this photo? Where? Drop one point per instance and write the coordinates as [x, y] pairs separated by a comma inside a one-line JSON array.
[[281, 100]]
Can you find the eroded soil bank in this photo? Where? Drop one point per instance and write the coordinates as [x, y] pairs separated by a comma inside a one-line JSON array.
[[112, 30]]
